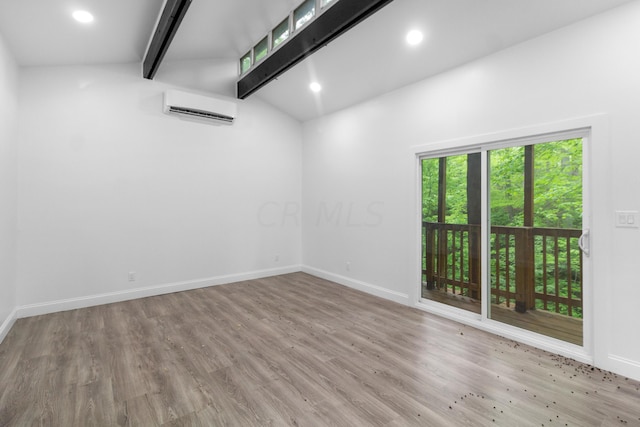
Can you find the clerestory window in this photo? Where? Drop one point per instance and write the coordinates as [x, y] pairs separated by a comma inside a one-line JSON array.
[[304, 13], [280, 33]]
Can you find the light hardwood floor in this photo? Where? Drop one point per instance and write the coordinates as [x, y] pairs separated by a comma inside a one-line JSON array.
[[289, 350]]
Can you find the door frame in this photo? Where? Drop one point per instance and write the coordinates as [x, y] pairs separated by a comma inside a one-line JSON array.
[[589, 129]]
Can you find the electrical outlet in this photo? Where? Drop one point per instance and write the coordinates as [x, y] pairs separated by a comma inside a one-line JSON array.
[[348, 266], [276, 258], [132, 276]]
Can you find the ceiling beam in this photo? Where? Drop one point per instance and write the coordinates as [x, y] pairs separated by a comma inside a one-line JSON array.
[[170, 19], [329, 25]]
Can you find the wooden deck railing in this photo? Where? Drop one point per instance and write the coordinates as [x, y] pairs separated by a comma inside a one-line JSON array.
[[531, 267]]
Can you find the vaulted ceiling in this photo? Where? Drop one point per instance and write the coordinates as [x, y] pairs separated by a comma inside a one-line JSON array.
[[369, 60]]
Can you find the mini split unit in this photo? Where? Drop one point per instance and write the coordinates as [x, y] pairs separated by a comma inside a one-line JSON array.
[[201, 108]]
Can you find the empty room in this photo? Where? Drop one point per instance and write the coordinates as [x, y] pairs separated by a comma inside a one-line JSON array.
[[319, 212]]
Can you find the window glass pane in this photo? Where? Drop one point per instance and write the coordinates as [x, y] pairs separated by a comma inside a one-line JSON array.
[[260, 51], [325, 2], [280, 33], [245, 63], [304, 13], [536, 224], [451, 270]]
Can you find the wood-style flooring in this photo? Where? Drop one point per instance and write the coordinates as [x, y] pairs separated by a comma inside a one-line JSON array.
[[292, 350]]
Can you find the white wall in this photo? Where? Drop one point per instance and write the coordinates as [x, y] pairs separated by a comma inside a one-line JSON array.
[[362, 159], [108, 184], [8, 185], [208, 75]]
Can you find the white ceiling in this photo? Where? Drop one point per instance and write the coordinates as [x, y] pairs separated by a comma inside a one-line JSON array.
[[42, 32], [367, 61]]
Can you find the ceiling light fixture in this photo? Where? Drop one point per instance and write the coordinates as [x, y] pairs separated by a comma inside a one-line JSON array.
[[414, 37], [82, 16], [315, 87]]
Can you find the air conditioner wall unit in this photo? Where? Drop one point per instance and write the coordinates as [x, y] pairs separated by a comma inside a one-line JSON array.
[[197, 107]]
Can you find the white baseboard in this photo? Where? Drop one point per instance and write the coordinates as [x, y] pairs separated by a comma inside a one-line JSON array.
[[621, 365], [8, 324], [378, 291], [111, 297]]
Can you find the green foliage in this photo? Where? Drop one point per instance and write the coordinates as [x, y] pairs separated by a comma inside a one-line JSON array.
[[558, 184], [430, 168], [456, 190], [506, 171], [456, 195], [557, 193]]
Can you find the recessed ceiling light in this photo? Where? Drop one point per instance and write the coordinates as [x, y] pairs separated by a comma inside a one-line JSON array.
[[315, 87], [82, 16], [414, 37]]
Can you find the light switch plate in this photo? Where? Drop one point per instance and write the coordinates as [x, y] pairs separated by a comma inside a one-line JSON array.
[[627, 219]]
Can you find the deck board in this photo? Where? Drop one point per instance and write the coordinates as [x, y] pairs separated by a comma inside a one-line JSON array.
[[553, 325]]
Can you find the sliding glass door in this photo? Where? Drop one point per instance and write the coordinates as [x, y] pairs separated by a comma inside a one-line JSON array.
[[536, 223], [533, 209]]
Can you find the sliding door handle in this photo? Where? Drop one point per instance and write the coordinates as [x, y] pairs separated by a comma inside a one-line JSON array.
[[584, 242]]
